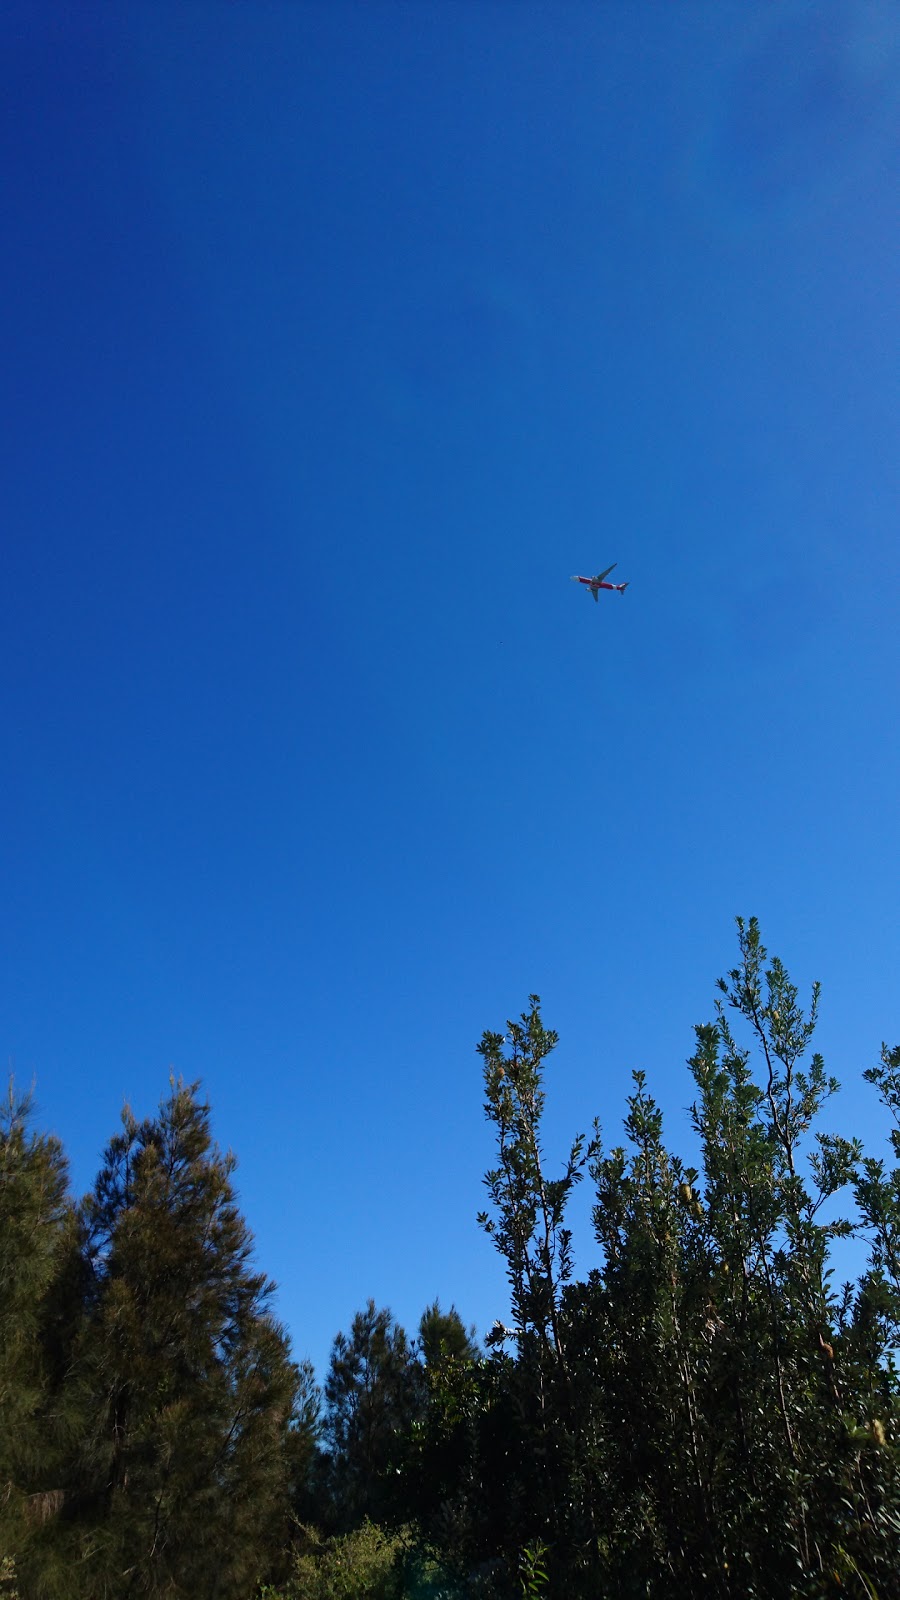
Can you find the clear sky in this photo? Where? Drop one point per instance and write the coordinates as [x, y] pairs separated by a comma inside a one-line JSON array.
[[336, 337]]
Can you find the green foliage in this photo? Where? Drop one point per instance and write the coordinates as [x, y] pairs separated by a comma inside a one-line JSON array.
[[370, 1563], [533, 1570], [366, 1564], [373, 1392], [40, 1281], [531, 1421], [35, 1214], [528, 1225], [8, 1590], [444, 1338], [703, 1413], [185, 1481], [199, 1389], [878, 1198]]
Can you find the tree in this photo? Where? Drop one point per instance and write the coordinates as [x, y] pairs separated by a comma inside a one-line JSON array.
[[39, 1304], [528, 1227], [783, 1396], [444, 1338], [532, 1399], [372, 1394], [440, 1463], [193, 1391], [704, 1409], [638, 1327]]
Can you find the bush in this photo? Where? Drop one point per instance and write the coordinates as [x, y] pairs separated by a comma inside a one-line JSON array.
[[368, 1564], [363, 1565]]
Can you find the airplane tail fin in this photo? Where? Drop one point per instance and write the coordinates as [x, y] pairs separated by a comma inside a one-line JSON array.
[[622, 586]]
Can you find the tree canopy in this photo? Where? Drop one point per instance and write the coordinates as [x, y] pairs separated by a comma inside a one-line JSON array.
[[705, 1410]]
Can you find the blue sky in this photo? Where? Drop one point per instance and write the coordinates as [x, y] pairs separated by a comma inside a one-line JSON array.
[[336, 338]]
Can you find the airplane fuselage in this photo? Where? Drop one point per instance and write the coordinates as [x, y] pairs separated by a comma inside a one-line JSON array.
[[591, 583]]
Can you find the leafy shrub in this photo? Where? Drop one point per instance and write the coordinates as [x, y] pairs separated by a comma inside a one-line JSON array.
[[363, 1565], [370, 1563]]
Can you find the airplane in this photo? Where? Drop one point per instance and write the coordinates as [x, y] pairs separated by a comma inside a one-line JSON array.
[[596, 584]]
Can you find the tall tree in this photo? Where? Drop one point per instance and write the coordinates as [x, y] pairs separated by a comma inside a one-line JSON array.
[[773, 1182], [193, 1389], [528, 1225], [532, 1398], [441, 1464], [373, 1393], [705, 1409], [39, 1302], [444, 1337]]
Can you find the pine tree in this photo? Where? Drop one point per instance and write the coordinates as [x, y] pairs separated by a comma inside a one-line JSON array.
[[444, 1338], [39, 1280], [373, 1393], [440, 1465], [193, 1391]]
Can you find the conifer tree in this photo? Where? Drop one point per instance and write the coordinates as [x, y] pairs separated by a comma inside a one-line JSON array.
[[444, 1338], [440, 1464], [192, 1387], [39, 1281], [373, 1394]]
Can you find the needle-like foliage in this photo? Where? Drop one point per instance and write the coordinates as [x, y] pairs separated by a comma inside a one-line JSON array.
[[192, 1387]]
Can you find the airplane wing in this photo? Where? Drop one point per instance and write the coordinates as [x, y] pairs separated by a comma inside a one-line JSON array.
[[596, 594], [601, 575]]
